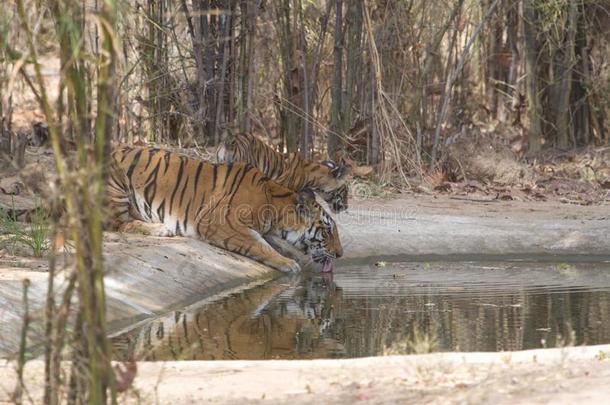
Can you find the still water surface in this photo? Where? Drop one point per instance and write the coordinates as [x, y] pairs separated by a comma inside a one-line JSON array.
[[367, 308]]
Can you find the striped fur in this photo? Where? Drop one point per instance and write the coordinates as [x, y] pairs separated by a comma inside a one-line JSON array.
[[232, 206], [326, 178]]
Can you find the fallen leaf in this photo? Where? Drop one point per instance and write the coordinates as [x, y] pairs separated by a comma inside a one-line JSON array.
[[362, 171], [435, 179]]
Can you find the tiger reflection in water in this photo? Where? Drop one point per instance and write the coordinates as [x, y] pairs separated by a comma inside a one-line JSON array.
[[283, 319]]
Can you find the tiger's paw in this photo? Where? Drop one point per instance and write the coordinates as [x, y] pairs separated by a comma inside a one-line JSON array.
[[145, 228], [288, 266]]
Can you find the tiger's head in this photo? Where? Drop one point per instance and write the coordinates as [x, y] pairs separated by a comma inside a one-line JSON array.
[[333, 185], [225, 152], [310, 229]]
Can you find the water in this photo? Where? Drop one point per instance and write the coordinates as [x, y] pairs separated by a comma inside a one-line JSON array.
[[364, 309]]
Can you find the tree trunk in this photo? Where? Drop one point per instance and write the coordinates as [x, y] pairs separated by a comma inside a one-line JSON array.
[[532, 49], [353, 60], [222, 93], [248, 21], [512, 26], [290, 106], [565, 65], [583, 116], [315, 64], [374, 157], [334, 140], [306, 143]]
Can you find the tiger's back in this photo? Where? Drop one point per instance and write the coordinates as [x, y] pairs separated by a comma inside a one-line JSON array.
[[326, 178], [180, 192]]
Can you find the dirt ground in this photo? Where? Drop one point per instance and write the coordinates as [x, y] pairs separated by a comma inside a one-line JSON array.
[[485, 207], [557, 376], [437, 379]]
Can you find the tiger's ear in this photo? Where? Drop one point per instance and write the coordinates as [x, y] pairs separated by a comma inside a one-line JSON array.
[[338, 171], [228, 136], [306, 201], [341, 171]]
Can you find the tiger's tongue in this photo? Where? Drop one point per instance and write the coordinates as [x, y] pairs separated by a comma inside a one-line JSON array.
[[328, 266]]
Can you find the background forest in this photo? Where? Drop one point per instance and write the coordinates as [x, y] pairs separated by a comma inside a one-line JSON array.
[[403, 86]]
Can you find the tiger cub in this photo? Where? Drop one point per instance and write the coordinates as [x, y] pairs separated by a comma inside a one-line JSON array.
[[326, 178], [232, 206]]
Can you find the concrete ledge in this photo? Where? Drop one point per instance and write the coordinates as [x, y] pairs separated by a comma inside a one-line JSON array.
[[377, 233], [145, 276]]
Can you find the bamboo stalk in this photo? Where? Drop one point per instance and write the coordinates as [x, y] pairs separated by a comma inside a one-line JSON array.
[[18, 394], [83, 204]]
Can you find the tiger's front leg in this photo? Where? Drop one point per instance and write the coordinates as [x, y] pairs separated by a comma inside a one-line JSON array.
[[144, 228], [250, 243]]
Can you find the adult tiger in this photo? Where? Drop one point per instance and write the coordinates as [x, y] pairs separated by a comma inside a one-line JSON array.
[[231, 206], [326, 178]]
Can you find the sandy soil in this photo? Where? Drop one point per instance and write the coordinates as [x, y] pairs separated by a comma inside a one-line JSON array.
[[484, 207], [557, 376]]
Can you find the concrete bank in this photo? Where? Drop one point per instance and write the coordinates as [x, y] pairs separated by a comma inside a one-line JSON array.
[[557, 376], [442, 226], [147, 276]]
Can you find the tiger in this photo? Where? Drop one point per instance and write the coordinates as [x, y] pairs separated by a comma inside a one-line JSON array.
[[326, 178], [232, 206]]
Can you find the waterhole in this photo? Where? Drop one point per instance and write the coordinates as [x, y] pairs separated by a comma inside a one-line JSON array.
[[373, 307]]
